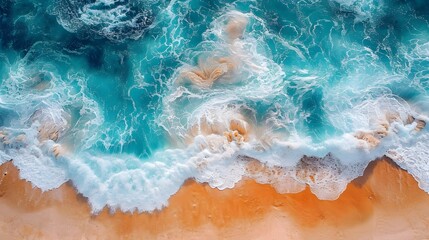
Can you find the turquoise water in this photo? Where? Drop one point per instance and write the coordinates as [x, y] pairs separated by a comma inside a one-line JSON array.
[[108, 93]]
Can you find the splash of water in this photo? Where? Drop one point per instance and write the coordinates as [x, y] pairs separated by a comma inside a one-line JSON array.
[[129, 99]]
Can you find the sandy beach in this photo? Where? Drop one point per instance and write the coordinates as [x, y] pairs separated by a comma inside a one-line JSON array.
[[207, 120], [385, 203]]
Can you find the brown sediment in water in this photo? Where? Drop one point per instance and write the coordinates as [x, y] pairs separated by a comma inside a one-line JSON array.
[[385, 203], [373, 138], [208, 71], [49, 128], [236, 128], [42, 85], [235, 27], [370, 138], [420, 125]]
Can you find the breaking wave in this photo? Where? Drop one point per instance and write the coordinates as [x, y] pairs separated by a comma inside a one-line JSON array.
[[130, 99]]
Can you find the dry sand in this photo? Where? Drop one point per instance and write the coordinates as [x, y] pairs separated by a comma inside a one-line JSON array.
[[385, 203]]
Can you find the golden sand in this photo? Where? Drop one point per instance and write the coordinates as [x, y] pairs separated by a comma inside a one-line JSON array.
[[385, 203]]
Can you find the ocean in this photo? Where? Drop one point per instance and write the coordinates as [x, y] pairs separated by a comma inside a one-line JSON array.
[[126, 100]]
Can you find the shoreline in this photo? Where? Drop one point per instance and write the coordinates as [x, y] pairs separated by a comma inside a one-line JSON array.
[[384, 203]]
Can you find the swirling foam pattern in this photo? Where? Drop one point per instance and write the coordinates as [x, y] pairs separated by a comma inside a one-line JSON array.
[[128, 99]]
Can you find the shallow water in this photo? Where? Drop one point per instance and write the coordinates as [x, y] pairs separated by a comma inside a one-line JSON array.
[[128, 99]]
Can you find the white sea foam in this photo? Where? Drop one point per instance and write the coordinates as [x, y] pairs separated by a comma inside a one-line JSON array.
[[115, 20], [218, 131]]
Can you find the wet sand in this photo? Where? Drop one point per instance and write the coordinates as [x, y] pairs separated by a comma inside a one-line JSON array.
[[385, 203]]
